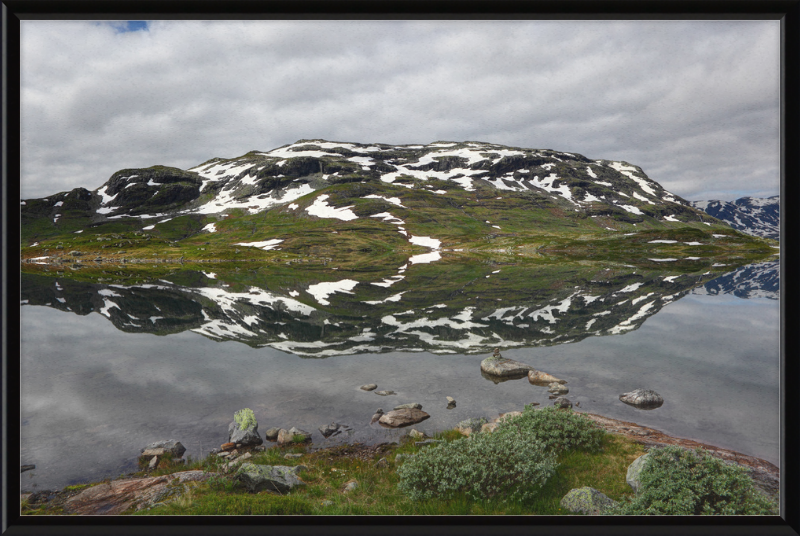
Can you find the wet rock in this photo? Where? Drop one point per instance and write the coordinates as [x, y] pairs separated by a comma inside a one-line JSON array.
[[159, 448], [558, 388], [451, 402], [562, 402], [330, 429], [586, 500], [403, 417], [278, 478], [117, 496], [497, 365], [408, 406], [376, 416], [634, 471], [385, 393], [537, 377], [244, 428], [272, 434], [369, 387], [24, 468], [642, 398]]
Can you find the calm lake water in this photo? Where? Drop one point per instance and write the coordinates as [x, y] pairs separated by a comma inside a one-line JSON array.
[[94, 395]]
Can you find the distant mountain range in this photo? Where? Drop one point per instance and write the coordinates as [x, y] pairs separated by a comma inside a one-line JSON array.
[[751, 215]]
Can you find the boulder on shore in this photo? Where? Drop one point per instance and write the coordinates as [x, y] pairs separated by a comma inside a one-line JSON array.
[[635, 470], [537, 377], [244, 429], [403, 417], [278, 478], [586, 500], [642, 398], [272, 434], [497, 365], [293, 435], [167, 446]]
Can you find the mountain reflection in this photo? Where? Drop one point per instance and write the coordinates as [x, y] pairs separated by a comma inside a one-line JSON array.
[[467, 308]]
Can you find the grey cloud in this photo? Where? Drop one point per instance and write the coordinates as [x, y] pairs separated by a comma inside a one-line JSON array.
[[694, 103]]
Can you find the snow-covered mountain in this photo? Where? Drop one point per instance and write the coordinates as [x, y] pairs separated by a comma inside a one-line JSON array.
[[258, 181], [751, 215], [760, 280]]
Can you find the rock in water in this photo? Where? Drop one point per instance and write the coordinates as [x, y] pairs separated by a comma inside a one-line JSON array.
[[586, 500], [403, 417], [497, 365], [414, 405], [293, 435], [642, 398], [562, 402], [634, 470], [451, 402], [376, 416], [330, 429], [272, 434], [385, 393], [278, 478], [165, 446], [244, 429], [537, 377], [558, 389], [369, 387]]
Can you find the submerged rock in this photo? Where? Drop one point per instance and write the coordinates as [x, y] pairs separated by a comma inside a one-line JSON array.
[[642, 398], [244, 429], [369, 387], [408, 406], [279, 478], [385, 393], [403, 417], [537, 377], [331, 429], [586, 500]]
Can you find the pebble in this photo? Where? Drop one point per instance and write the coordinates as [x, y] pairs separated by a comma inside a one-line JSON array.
[[369, 387]]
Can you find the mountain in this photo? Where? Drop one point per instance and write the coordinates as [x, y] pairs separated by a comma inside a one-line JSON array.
[[751, 215], [760, 280]]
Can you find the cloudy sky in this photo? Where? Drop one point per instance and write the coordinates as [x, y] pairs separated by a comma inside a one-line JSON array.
[[694, 103]]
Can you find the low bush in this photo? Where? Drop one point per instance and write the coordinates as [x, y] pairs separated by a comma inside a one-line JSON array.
[[558, 430], [482, 466], [676, 481]]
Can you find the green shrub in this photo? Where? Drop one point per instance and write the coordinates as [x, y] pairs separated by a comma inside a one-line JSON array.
[[676, 481], [245, 418], [558, 430], [482, 466]]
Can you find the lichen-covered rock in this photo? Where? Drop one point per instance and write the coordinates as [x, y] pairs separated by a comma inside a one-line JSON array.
[[159, 448], [470, 426], [537, 377], [403, 417], [293, 435], [634, 471], [497, 365], [586, 500], [244, 429], [642, 398], [279, 478]]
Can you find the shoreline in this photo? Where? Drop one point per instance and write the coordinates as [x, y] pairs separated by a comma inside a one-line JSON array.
[[765, 474]]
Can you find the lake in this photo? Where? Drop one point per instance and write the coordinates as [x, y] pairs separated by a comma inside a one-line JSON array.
[[176, 358]]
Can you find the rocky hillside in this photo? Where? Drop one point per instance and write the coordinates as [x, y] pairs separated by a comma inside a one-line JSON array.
[[442, 172], [752, 215]]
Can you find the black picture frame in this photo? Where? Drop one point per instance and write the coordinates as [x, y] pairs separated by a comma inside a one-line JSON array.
[[14, 11]]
